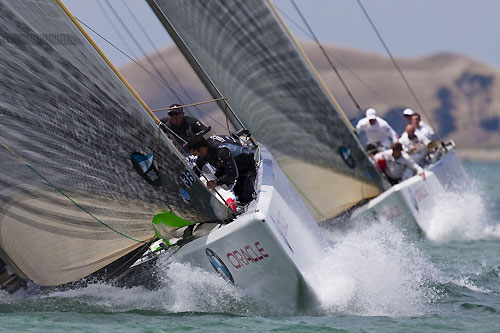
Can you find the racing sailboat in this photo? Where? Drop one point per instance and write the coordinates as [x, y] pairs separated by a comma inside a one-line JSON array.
[[249, 54], [86, 169]]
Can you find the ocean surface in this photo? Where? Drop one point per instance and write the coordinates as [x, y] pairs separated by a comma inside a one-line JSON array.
[[372, 280]]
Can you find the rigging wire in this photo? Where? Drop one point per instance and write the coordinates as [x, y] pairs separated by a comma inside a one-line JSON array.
[[141, 66], [327, 56], [108, 19], [181, 44], [375, 93], [162, 80], [165, 63], [395, 64], [148, 58]]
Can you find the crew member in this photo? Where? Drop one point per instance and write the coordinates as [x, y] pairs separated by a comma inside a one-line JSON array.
[[234, 163], [414, 144], [378, 132], [394, 162], [407, 113], [183, 126], [422, 128]]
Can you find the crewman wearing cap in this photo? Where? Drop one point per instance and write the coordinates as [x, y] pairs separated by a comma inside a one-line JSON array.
[[420, 127], [407, 113], [183, 126], [378, 132]]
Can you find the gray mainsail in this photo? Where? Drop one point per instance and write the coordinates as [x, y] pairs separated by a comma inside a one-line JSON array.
[[261, 72], [71, 201]]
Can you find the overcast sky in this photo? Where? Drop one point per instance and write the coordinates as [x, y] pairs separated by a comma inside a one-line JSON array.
[[410, 28]]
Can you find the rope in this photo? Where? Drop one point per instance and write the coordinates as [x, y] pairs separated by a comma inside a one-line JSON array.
[[144, 68], [171, 131], [396, 65], [188, 105], [19, 158]]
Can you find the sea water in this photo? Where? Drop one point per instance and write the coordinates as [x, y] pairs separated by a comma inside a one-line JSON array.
[[372, 279]]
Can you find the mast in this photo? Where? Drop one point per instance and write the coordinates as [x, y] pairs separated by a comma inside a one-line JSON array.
[[202, 74]]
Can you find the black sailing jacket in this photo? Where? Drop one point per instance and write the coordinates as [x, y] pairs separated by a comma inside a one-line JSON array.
[[228, 157]]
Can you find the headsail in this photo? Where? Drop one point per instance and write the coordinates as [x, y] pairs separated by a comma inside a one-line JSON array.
[[71, 201], [270, 86]]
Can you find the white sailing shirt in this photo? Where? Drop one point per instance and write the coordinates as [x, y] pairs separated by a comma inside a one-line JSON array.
[[395, 168], [416, 147], [379, 134], [425, 130]]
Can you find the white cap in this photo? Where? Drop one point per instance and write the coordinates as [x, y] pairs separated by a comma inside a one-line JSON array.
[[371, 114], [408, 112]]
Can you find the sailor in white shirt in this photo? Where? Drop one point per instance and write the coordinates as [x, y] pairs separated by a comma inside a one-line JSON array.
[[420, 127], [394, 162], [414, 144], [378, 132]]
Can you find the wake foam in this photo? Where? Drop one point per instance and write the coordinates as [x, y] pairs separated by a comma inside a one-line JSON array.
[[183, 288], [375, 271], [462, 215]]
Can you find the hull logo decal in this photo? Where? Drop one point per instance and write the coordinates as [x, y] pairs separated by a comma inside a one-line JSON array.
[[219, 265]]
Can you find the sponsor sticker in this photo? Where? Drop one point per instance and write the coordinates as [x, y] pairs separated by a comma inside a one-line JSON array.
[[345, 153], [219, 265], [145, 167], [184, 194], [251, 253]]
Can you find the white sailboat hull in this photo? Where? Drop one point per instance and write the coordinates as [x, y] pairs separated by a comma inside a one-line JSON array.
[[450, 172], [268, 250], [411, 203]]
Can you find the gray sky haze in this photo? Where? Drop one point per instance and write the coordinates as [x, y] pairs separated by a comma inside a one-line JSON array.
[[410, 28]]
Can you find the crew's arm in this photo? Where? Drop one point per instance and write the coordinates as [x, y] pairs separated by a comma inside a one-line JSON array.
[[415, 167], [392, 134]]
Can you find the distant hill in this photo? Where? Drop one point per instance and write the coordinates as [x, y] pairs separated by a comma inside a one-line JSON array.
[[461, 96]]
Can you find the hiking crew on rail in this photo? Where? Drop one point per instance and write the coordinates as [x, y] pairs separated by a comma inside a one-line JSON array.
[[234, 163]]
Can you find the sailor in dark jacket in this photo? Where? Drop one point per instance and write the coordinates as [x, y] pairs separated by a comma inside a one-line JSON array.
[[232, 161], [183, 126]]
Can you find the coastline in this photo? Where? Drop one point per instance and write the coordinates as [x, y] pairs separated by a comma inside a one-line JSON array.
[[479, 154]]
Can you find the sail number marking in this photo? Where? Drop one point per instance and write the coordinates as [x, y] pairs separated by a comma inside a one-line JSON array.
[[187, 178]]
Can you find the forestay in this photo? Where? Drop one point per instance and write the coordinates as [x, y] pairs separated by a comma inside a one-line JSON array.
[[71, 201], [256, 65]]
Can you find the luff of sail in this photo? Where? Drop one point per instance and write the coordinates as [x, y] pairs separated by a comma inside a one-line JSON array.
[[71, 201], [253, 61]]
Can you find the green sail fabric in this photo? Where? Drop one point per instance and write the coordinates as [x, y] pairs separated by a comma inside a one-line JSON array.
[[71, 201], [255, 64]]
